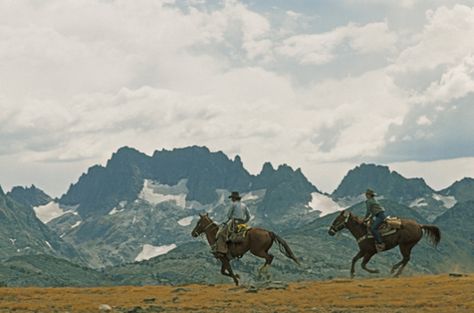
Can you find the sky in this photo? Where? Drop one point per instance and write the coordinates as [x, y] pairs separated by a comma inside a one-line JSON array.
[[319, 85]]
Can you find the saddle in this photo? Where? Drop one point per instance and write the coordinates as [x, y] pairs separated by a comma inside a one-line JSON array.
[[239, 233], [390, 226]]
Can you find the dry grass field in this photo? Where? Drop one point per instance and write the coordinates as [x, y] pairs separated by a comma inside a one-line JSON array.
[[440, 293]]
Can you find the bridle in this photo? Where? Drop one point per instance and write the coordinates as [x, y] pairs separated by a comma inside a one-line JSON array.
[[341, 225], [206, 228]]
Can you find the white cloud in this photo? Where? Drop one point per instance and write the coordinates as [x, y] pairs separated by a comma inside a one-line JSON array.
[[445, 40], [407, 4], [321, 48], [455, 83], [80, 79], [423, 120]]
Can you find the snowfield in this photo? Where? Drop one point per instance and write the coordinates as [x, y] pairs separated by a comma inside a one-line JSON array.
[[186, 221], [51, 211], [155, 193], [322, 203], [149, 251]]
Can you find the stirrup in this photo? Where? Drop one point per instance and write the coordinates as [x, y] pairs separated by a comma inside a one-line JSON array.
[[380, 247]]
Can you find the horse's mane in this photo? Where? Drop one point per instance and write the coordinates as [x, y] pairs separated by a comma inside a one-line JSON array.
[[357, 219]]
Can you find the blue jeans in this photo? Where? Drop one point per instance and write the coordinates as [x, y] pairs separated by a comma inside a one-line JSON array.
[[379, 219]]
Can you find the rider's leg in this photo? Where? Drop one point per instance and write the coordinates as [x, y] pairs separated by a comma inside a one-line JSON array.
[[379, 219]]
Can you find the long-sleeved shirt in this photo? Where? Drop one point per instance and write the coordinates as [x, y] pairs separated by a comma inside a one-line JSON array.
[[373, 207], [238, 210]]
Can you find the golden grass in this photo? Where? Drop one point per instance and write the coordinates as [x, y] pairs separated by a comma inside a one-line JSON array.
[[439, 293]]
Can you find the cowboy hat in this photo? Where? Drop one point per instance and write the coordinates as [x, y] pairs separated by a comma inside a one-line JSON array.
[[235, 195], [370, 192]]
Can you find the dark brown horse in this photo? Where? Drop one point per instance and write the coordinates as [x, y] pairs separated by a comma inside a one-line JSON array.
[[257, 240], [406, 237]]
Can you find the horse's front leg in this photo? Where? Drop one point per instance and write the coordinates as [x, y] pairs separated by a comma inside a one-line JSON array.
[[354, 260], [223, 269], [366, 260], [231, 273]]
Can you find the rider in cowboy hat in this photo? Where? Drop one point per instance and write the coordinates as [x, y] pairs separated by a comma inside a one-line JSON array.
[[375, 210], [238, 214]]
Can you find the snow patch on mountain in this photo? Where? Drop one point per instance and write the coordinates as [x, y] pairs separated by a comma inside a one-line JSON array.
[[52, 210], [155, 193], [418, 203], [448, 201], [186, 221], [323, 203], [253, 195], [149, 251], [48, 244], [76, 224], [115, 211]]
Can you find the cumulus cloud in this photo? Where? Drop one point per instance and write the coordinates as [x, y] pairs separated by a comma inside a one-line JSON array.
[[428, 133], [80, 79], [445, 40], [321, 48]]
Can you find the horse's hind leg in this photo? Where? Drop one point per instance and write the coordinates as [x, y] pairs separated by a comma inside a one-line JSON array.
[[395, 266], [263, 270], [406, 251], [366, 259], [354, 260]]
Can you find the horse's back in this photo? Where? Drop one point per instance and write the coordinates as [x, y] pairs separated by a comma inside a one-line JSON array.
[[411, 230]]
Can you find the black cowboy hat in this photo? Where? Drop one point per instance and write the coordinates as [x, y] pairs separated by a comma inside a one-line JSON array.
[[235, 195], [370, 192]]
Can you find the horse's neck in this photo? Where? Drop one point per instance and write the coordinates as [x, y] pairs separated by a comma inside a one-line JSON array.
[[211, 234], [357, 230]]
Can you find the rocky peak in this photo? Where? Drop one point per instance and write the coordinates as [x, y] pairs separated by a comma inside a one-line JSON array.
[[389, 184], [31, 196]]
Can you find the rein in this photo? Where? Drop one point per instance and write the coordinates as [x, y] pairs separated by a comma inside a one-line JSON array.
[[341, 225], [205, 228]]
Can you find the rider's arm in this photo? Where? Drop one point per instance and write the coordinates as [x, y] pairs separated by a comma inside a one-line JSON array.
[[230, 214], [247, 215], [369, 211]]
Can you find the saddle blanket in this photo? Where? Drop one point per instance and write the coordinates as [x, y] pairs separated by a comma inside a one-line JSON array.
[[241, 231]]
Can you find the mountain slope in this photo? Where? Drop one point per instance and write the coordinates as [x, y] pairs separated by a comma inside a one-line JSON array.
[[31, 196], [21, 232], [412, 192], [462, 190], [47, 271]]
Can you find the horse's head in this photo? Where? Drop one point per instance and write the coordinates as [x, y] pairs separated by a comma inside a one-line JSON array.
[[339, 223], [202, 225]]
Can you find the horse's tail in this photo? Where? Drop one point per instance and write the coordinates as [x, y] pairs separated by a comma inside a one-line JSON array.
[[284, 247], [433, 233]]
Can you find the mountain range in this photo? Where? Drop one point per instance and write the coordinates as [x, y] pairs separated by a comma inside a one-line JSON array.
[[133, 216]]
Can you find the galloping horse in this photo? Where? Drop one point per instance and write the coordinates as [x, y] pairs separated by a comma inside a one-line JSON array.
[[406, 237], [257, 240]]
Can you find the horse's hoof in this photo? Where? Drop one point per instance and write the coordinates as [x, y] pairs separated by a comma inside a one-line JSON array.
[[352, 276]]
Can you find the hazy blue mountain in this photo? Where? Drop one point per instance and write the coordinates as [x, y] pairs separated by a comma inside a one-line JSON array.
[[31, 196], [21, 232], [462, 190], [412, 192], [459, 221], [102, 188]]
